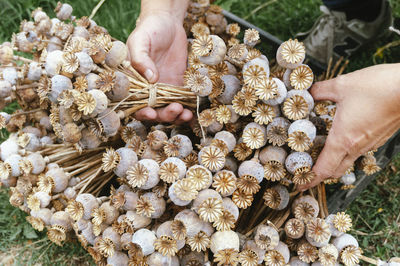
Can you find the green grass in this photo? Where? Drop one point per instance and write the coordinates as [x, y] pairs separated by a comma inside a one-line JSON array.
[[375, 212]]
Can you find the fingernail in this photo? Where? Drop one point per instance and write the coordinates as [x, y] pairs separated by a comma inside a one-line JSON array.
[[149, 74]]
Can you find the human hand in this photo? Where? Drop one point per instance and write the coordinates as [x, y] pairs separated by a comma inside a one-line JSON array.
[[158, 50], [367, 115]]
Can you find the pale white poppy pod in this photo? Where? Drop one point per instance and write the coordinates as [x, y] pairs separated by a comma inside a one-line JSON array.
[[101, 101], [286, 79], [127, 158], [228, 138], [136, 220], [190, 220], [60, 179], [13, 162], [61, 218], [252, 168], [92, 81], [232, 87], [145, 239], [10, 74], [306, 95], [181, 166], [204, 195], [55, 44], [207, 228], [231, 164], [117, 54], [70, 193], [118, 259], [54, 60], [217, 54], [259, 61], [37, 161], [318, 263], [174, 197], [304, 125], [280, 95], [348, 179], [5, 88], [110, 121], [297, 160], [34, 71], [81, 32], [307, 199], [165, 229], [283, 249], [85, 63], [224, 240], [250, 244], [111, 234], [214, 127], [266, 237], [89, 140], [33, 144], [272, 153], [158, 259], [89, 202], [158, 204], [343, 241], [59, 83], [43, 197], [7, 148], [334, 231], [43, 214], [153, 168], [231, 207], [295, 261]]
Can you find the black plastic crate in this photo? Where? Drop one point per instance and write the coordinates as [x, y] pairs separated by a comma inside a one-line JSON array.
[[340, 199]]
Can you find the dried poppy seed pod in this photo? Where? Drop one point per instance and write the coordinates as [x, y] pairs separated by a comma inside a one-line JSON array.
[[214, 127], [318, 233], [251, 245], [328, 255], [172, 169], [305, 207], [127, 158], [81, 32], [348, 180], [11, 166], [159, 259], [272, 153], [231, 207], [110, 212], [266, 237], [92, 81], [203, 196], [217, 53], [118, 259], [277, 131], [178, 146], [224, 182], [44, 214], [71, 133], [254, 135], [276, 197], [295, 261], [166, 229], [59, 83], [190, 220], [231, 88], [301, 135], [55, 44], [261, 63], [156, 202], [212, 158], [88, 203], [145, 239], [37, 162], [153, 169], [156, 139], [89, 140], [110, 122], [86, 64], [193, 258], [343, 241], [334, 231], [5, 88], [35, 71], [279, 95], [63, 11], [136, 221], [298, 104], [10, 74], [252, 168], [228, 138], [301, 78], [8, 147], [297, 160], [6, 54], [182, 192], [294, 228], [117, 54], [60, 179], [224, 240], [38, 200], [290, 54], [283, 251], [54, 61], [70, 193]]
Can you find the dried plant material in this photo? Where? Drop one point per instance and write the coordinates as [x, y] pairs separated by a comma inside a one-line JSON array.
[[301, 77], [294, 228], [5, 170], [56, 234], [160, 189], [239, 105], [107, 81], [304, 211], [248, 184], [223, 114], [295, 107], [144, 207], [110, 159], [263, 114], [226, 257], [212, 158], [166, 245], [86, 103], [233, 29], [253, 53], [178, 230], [75, 210], [299, 141], [218, 70], [210, 210], [251, 36], [241, 199], [202, 45], [185, 189], [293, 51], [194, 63], [318, 230], [137, 175], [274, 171], [350, 255], [199, 176], [254, 76], [248, 257], [197, 82], [36, 223], [190, 160], [207, 117], [199, 29], [106, 247], [237, 51], [274, 258], [169, 172], [272, 198], [224, 182], [171, 148], [225, 222], [199, 242], [242, 151], [307, 252], [303, 176], [321, 108], [328, 255], [220, 144], [267, 89], [71, 63], [45, 183], [342, 222], [253, 137]]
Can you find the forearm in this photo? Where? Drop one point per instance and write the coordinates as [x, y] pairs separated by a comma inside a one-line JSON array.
[[175, 8]]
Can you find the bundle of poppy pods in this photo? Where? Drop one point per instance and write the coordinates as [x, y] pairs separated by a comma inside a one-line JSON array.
[[222, 191]]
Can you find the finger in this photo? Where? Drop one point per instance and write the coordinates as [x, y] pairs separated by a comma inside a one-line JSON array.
[[347, 162], [329, 159], [146, 114], [325, 90], [184, 117], [169, 113], [139, 53]]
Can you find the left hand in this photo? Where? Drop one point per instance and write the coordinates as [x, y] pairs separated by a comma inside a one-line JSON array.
[[367, 115]]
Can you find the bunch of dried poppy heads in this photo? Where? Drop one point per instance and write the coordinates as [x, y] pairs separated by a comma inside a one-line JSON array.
[[222, 191]]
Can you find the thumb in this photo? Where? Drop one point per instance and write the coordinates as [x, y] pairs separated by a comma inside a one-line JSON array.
[[139, 54], [325, 90]]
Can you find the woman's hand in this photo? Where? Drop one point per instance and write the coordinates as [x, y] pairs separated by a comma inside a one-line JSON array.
[[158, 50], [367, 115]]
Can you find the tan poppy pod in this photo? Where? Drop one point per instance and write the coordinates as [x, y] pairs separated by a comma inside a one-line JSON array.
[[172, 168], [224, 240], [231, 88], [110, 122], [156, 202], [71, 133], [251, 245], [89, 140], [8, 147], [81, 32], [272, 153], [156, 139], [101, 101], [294, 228], [217, 53], [178, 146], [6, 53], [117, 54], [145, 239], [89, 202], [159, 259], [276, 197], [254, 135], [121, 87], [266, 237], [305, 208], [190, 220], [23, 43], [328, 255], [193, 258], [262, 64], [165, 229], [228, 138], [252, 168], [318, 233], [110, 212], [214, 127]]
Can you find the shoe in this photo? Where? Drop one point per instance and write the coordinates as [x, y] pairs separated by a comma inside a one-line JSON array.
[[332, 36]]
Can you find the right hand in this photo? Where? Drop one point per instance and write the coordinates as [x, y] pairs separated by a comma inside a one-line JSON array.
[[158, 50]]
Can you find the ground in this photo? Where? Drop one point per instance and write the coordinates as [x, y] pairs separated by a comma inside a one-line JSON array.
[[376, 212]]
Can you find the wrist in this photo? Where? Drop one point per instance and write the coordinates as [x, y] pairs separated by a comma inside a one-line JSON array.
[[174, 8]]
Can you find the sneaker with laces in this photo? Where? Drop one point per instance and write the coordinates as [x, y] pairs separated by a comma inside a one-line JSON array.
[[332, 36]]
